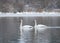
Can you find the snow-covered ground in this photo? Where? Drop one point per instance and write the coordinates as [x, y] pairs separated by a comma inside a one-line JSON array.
[[29, 14]]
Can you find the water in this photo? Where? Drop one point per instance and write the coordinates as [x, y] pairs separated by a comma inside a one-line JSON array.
[[42, 33], [26, 36], [9, 27]]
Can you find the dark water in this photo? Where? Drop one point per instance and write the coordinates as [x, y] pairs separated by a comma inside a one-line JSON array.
[[9, 29]]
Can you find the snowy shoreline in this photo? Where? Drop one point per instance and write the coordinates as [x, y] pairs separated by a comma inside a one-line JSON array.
[[30, 14]]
